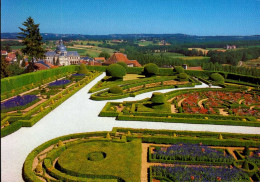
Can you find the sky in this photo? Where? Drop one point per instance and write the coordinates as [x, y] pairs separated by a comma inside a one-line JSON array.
[[102, 17]]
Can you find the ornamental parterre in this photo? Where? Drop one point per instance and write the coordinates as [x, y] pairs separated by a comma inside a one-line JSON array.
[[18, 101], [184, 173], [59, 83]]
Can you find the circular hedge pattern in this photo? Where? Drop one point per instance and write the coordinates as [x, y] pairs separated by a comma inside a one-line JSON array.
[[96, 156]]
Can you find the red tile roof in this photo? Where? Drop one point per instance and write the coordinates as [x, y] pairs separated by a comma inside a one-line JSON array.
[[120, 57], [3, 52], [11, 55], [195, 68], [99, 59], [41, 66]]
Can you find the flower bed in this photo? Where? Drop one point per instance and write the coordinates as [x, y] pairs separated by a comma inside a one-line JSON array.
[[190, 152], [59, 83], [18, 103], [184, 173]]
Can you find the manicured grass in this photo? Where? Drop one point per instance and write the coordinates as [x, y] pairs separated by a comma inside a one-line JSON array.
[[146, 43], [132, 77], [121, 159]]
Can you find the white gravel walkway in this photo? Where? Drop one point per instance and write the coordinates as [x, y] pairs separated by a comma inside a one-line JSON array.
[[80, 114]]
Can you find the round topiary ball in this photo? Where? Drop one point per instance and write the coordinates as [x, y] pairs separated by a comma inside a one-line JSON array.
[[150, 69], [158, 98], [116, 71], [217, 77], [116, 90], [178, 69], [122, 64], [183, 76]]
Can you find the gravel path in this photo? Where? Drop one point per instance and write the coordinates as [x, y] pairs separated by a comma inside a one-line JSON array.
[[79, 114]]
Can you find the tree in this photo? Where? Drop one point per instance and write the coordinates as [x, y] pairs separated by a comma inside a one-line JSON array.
[[183, 76], [83, 69], [15, 69], [116, 71], [32, 40], [8, 48], [4, 68], [104, 54]]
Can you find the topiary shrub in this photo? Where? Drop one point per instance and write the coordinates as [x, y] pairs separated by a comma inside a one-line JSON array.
[[83, 69], [178, 69], [116, 71], [150, 69], [217, 77], [246, 151], [158, 98], [122, 64], [96, 156], [183, 76], [116, 90]]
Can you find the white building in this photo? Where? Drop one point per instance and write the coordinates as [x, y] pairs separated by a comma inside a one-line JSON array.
[[62, 57]]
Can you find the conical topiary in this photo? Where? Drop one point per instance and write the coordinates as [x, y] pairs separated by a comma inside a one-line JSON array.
[[174, 135], [246, 151], [220, 137], [128, 133], [41, 109], [108, 136], [38, 168], [245, 165], [52, 101], [60, 143]]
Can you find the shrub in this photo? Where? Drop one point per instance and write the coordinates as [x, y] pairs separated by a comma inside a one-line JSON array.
[[116, 71], [178, 69], [183, 76], [217, 77], [158, 98], [116, 90], [122, 64], [83, 70], [150, 69]]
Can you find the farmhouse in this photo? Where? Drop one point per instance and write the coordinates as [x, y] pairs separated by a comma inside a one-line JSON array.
[[62, 57], [120, 57]]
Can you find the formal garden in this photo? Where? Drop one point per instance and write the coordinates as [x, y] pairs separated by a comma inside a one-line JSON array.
[[39, 93], [126, 154]]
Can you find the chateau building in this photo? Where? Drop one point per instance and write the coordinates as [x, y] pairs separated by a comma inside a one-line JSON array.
[[62, 57], [120, 57]]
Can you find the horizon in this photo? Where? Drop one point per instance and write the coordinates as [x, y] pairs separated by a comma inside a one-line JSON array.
[[100, 17]]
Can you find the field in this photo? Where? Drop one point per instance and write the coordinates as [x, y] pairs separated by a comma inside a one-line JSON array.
[[252, 63], [93, 51], [170, 54], [16, 47]]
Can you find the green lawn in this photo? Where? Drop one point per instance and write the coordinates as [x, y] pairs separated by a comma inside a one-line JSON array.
[[121, 159], [146, 43]]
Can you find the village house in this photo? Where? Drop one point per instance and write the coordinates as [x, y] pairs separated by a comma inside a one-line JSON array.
[[120, 57]]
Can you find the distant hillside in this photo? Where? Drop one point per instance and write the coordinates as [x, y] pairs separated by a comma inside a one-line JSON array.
[[177, 38]]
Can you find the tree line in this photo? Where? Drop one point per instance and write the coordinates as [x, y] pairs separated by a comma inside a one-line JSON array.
[[231, 69], [234, 56]]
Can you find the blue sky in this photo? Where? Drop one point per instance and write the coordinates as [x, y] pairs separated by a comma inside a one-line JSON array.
[[101, 17]]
